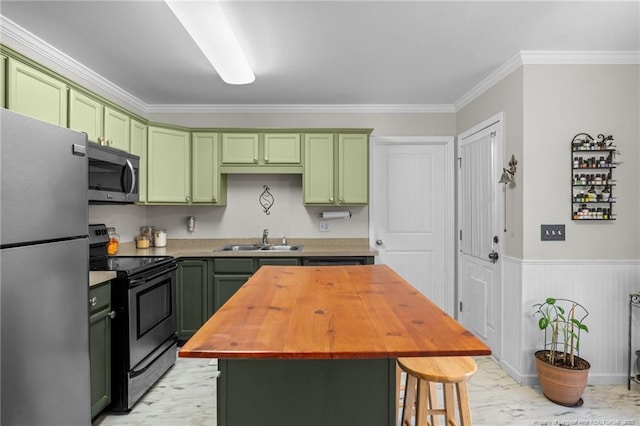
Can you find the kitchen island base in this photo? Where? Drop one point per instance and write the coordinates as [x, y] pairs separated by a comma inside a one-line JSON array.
[[310, 392]]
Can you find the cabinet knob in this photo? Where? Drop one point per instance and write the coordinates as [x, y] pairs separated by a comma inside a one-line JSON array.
[[340, 200], [378, 242], [266, 159], [93, 301], [255, 160], [112, 314], [331, 199], [214, 200], [187, 199]]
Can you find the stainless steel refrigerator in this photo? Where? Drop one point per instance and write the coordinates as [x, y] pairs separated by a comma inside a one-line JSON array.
[[44, 249]]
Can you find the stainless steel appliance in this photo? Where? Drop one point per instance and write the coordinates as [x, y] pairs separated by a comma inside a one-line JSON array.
[[144, 329], [113, 175], [44, 257]]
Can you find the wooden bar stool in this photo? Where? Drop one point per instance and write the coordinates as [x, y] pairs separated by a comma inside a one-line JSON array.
[[420, 389]]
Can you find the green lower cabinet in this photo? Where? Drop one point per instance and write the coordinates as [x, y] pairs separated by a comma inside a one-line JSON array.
[[100, 315], [192, 296], [205, 284], [225, 286]]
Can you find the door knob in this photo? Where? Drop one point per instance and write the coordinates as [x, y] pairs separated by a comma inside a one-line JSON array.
[[493, 256], [378, 242]]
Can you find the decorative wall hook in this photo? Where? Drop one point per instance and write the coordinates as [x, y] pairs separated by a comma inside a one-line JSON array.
[[266, 200], [508, 174]]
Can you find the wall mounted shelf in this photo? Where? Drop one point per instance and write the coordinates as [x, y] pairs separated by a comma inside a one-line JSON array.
[[592, 182]]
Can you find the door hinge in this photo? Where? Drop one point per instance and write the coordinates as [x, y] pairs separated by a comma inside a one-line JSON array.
[[459, 162], [460, 235], [460, 306]]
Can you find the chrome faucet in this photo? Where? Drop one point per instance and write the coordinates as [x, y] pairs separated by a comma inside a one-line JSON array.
[[284, 240], [265, 232]]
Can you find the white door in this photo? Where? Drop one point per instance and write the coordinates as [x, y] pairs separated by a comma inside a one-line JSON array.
[[480, 231], [412, 212]]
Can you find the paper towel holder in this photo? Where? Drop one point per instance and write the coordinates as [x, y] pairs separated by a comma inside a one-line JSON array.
[[335, 214]]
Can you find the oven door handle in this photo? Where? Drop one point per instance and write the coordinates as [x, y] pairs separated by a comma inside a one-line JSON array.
[[137, 281]]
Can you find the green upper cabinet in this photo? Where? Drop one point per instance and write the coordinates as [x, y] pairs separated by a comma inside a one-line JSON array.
[[353, 169], [208, 186], [261, 153], [318, 169], [336, 169], [99, 122], [36, 94], [240, 148], [168, 166], [3, 80], [86, 115], [116, 129], [138, 141], [282, 148]]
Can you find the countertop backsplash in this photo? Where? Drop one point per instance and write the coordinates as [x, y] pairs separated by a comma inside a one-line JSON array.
[[242, 217]]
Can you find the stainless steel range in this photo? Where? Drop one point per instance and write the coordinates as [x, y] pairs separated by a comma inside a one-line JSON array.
[[144, 341]]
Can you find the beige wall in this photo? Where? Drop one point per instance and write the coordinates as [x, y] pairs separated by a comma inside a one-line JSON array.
[[561, 101], [506, 96], [383, 124]]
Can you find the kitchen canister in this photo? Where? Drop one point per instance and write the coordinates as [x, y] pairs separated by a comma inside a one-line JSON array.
[[160, 237], [148, 232]]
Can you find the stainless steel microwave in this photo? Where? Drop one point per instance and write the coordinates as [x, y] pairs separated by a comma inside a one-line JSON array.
[[113, 175]]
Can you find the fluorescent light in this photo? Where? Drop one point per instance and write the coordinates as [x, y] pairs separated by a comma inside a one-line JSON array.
[[207, 25]]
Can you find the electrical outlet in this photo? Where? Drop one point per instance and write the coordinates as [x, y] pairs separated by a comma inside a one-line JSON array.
[[552, 233], [323, 226]]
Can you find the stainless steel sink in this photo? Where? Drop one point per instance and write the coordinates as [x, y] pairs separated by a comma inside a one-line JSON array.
[[242, 247], [281, 248], [260, 247]]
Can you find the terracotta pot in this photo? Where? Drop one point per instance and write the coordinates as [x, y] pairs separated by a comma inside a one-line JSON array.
[[563, 386]]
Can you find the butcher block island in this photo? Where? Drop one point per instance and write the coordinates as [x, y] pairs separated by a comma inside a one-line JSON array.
[[302, 345]]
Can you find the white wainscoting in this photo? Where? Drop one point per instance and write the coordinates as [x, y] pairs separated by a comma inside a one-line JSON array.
[[603, 287]]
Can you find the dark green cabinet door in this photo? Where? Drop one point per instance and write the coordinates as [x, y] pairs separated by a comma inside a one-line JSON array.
[[191, 297], [100, 359], [225, 286]]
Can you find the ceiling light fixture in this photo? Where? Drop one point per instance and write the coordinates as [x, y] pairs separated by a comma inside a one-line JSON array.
[[208, 27]]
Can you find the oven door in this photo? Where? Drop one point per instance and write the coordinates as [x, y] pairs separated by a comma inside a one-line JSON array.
[[152, 313]]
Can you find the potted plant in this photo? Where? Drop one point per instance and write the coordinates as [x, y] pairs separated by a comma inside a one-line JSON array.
[[561, 372]]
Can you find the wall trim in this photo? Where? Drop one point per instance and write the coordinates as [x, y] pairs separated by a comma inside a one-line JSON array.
[[537, 57], [16, 37]]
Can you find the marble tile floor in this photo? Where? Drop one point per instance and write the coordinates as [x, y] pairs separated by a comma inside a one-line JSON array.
[[185, 396]]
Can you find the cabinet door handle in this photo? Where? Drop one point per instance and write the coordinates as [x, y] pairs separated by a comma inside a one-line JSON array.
[[266, 159], [340, 200], [214, 200], [93, 301], [187, 199], [112, 314], [255, 160], [331, 199]]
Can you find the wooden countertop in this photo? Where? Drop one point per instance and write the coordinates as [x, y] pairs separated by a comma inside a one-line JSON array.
[[330, 312], [312, 247]]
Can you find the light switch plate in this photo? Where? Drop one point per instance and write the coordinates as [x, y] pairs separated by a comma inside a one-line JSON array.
[[552, 233]]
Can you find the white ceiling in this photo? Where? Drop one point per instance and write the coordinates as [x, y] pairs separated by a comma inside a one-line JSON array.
[[324, 52]]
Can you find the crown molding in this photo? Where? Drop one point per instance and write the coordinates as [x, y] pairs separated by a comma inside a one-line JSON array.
[[16, 37], [21, 40], [303, 109], [535, 57]]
